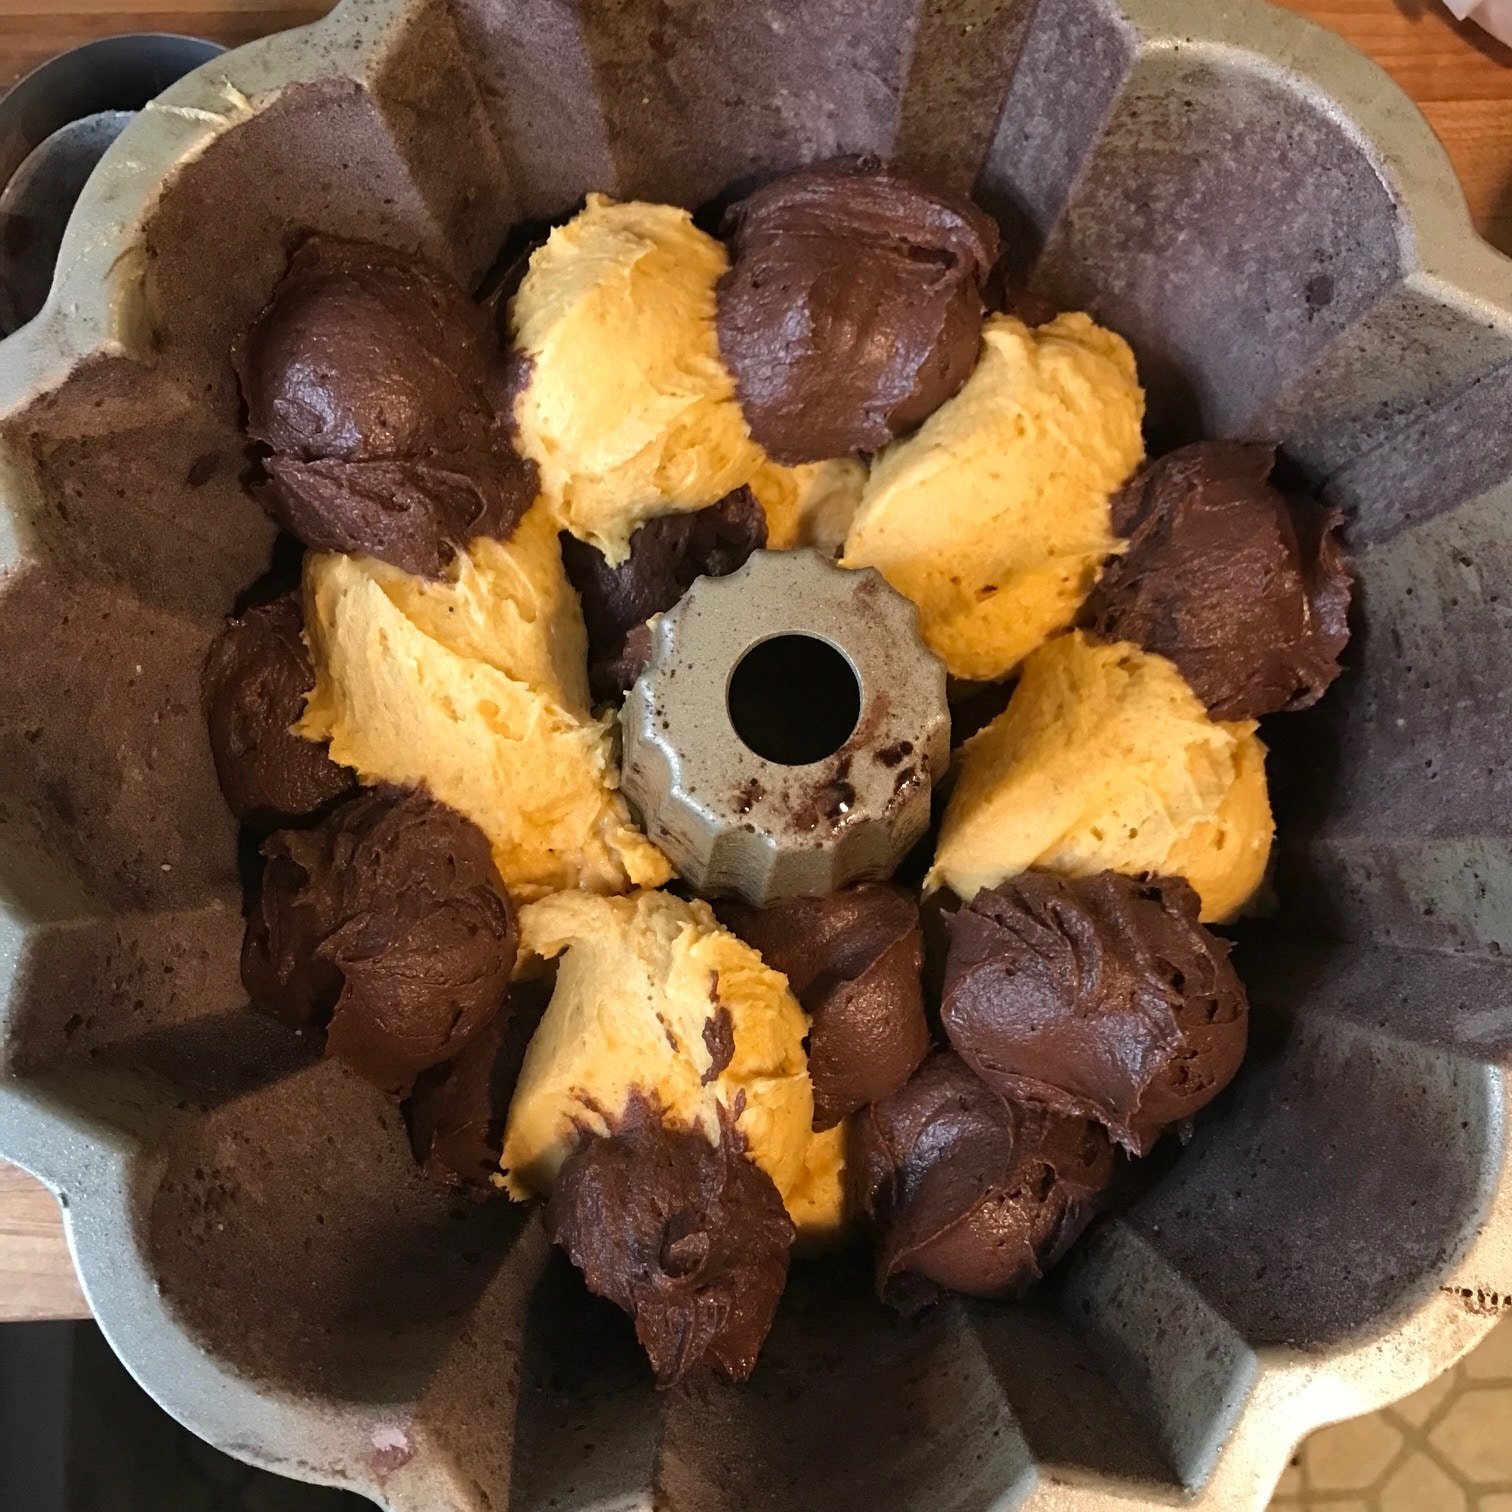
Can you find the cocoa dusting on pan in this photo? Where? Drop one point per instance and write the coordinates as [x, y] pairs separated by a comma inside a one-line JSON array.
[[748, 795], [830, 802], [836, 800], [910, 776], [1480, 1301]]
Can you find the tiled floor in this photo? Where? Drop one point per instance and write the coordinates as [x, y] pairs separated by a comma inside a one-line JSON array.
[[1447, 1449]]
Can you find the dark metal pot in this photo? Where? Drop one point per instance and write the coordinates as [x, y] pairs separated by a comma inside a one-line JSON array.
[[55, 126]]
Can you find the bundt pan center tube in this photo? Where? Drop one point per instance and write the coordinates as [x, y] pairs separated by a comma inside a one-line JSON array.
[[1272, 226]]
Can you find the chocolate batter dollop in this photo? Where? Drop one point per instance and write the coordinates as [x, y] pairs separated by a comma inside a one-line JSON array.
[[1247, 593], [853, 960], [456, 1124], [252, 690], [689, 1238], [388, 925], [368, 379], [1100, 998], [666, 554], [853, 306], [971, 1193], [456, 1113]]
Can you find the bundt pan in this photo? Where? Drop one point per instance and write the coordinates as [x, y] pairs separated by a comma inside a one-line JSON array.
[[1273, 226]]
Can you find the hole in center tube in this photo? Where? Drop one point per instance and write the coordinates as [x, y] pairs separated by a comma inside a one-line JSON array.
[[794, 699]]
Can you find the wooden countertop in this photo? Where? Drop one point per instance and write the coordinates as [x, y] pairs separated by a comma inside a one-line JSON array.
[[1460, 77], [1462, 80]]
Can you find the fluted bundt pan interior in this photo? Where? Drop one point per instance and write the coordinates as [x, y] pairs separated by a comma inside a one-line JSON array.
[[1275, 230]]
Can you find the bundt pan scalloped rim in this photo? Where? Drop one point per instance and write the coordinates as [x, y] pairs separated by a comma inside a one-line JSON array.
[[1272, 224]]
